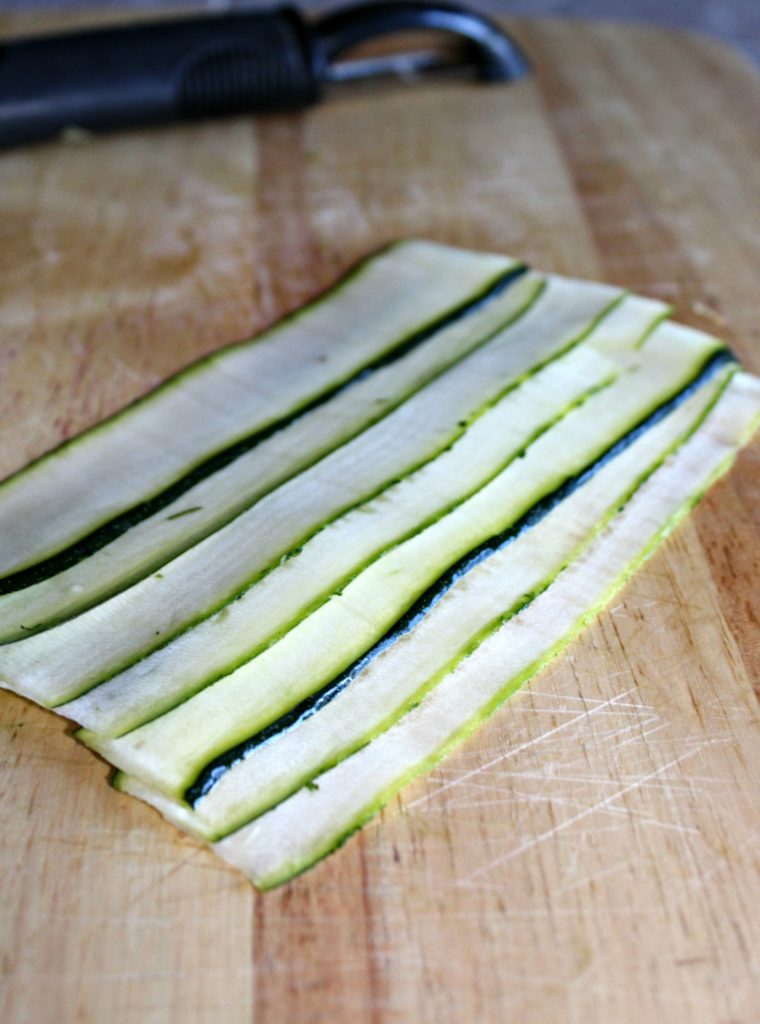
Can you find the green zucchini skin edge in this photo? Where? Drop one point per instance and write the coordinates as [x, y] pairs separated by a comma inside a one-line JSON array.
[[115, 526]]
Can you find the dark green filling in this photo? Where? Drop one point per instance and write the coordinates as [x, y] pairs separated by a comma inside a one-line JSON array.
[[312, 704], [109, 531]]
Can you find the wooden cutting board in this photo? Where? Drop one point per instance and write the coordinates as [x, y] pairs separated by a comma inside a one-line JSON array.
[[593, 853]]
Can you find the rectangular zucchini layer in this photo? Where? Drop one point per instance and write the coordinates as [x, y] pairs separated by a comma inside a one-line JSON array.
[[100, 571], [317, 819], [396, 679], [170, 751], [311, 564], [233, 393], [63, 662]]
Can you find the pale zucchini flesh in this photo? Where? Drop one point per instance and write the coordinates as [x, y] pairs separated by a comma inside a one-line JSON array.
[[231, 394], [348, 716], [315, 820], [170, 751], [63, 662], [100, 571]]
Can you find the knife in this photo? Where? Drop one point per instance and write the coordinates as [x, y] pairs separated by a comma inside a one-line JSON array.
[[205, 66]]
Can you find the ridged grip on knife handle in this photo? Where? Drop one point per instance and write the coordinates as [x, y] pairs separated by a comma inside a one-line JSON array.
[[236, 78]]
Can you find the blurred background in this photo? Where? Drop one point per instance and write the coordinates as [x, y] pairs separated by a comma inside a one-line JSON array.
[[736, 21]]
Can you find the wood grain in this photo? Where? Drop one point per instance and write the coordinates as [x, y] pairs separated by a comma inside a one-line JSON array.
[[593, 853]]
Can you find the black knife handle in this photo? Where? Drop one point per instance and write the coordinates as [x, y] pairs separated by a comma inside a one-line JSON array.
[[139, 74]]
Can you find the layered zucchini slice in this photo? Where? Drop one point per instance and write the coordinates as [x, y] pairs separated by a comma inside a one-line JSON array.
[[440, 471]]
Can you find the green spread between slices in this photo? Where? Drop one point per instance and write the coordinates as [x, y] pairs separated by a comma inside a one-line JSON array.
[[315, 561]]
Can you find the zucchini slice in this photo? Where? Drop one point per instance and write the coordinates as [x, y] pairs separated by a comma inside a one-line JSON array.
[[232, 394], [317, 819], [63, 662], [172, 750], [292, 447], [340, 550], [351, 713]]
